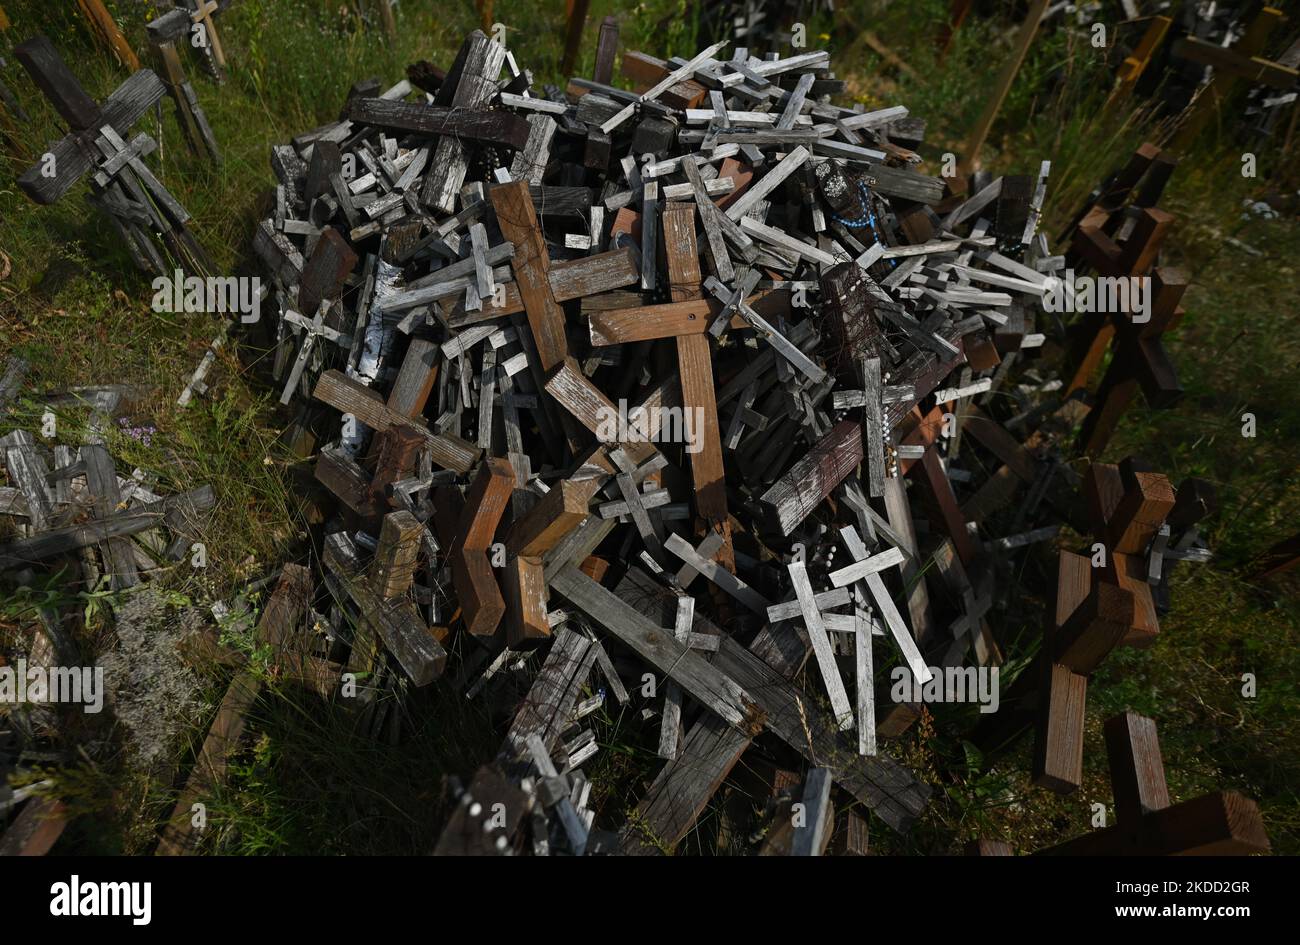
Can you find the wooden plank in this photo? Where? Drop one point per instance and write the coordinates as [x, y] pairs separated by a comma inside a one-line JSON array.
[[1058, 748], [657, 647], [531, 265], [1010, 66], [395, 558], [1220, 824], [524, 585], [351, 396], [497, 128], [811, 836], [1137, 774], [547, 710], [606, 49], [1148, 498], [793, 497], [946, 514]]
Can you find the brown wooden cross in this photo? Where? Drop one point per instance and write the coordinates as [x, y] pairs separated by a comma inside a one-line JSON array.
[[1097, 609], [1224, 823], [204, 36], [1139, 361]]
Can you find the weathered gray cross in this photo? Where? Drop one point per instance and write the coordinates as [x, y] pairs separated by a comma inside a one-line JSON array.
[[313, 328]]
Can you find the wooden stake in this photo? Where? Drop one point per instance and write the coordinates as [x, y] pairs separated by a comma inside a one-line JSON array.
[[1010, 66]]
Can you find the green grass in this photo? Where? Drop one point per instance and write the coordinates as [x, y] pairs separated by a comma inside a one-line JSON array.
[[74, 305]]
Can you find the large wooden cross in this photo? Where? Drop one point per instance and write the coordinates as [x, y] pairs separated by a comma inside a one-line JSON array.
[[1231, 65], [121, 184]]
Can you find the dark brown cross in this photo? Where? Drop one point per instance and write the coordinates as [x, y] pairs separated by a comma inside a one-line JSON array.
[[1224, 823], [1139, 361], [121, 184]]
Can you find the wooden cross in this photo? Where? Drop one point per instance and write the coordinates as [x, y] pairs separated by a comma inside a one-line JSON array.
[[1224, 823], [163, 34], [122, 185], [1097, 610], [313, 328], [204, 35], [1136, 63], [1231, 65]]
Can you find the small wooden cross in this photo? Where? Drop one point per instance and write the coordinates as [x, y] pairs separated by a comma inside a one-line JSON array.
[[204, 35], [313, 328], [164, 32]]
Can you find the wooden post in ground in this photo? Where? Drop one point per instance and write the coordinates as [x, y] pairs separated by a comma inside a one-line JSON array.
[[121, 183], [1010, 66], [485, 14], [959, 10], [107, 31], [387, 19], [1281, 557], [576, 20]]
